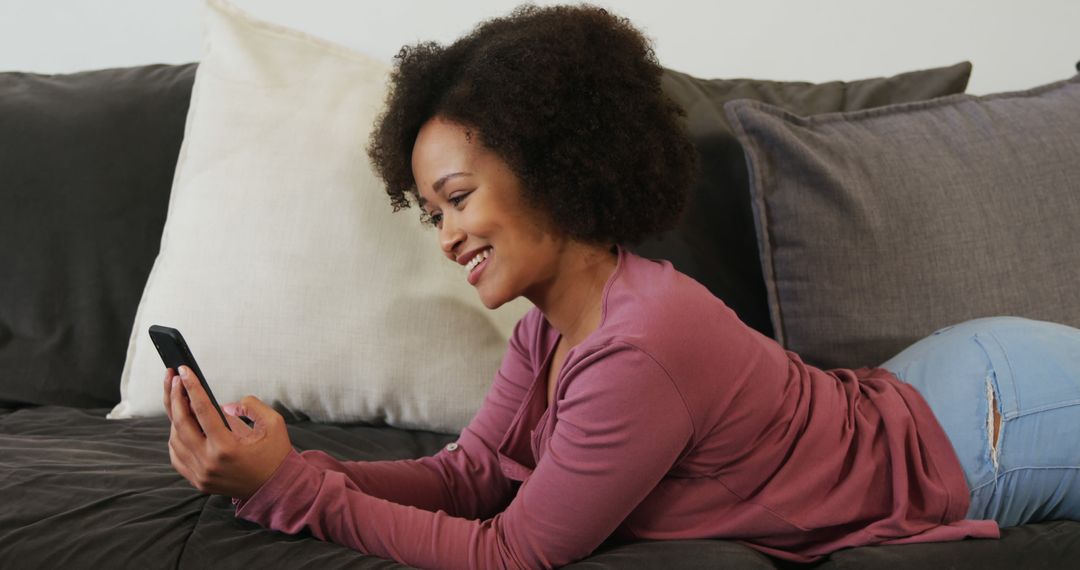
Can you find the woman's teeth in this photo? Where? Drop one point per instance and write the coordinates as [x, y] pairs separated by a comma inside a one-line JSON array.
[[476, 260]]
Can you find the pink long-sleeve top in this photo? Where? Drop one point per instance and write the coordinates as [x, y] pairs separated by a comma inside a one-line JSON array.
[[672, 420]]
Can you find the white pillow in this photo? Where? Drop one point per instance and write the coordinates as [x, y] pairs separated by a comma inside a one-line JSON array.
[[282, 261]]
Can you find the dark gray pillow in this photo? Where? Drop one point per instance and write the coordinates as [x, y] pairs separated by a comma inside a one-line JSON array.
[[86, 164], [715, 241], [878, 227]]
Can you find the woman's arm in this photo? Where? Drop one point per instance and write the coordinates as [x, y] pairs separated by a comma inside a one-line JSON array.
[[469, 485], [237, 463], [622, 425]]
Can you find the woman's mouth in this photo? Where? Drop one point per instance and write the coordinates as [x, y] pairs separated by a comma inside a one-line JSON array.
[[477, 265]]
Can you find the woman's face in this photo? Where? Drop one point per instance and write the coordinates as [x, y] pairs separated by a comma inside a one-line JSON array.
[[475, 202]]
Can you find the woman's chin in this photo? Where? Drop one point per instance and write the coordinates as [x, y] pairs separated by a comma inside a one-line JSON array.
[[492, 300]]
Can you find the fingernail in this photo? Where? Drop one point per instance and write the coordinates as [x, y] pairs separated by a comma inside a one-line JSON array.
[[184, 371], [175, 381]]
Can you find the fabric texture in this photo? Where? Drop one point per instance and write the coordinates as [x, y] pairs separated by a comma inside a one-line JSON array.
[[81, 491], [672, 420], [878, 227], [714, 242], [86, 161], [1029, 372], [282, 262]]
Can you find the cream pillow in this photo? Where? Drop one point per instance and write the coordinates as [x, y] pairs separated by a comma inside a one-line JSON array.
[[282, 261]]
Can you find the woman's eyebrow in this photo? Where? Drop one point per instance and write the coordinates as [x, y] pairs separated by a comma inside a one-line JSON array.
[[438, 185]]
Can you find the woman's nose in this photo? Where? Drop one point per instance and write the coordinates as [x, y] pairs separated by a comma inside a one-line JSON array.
[[450, 235]]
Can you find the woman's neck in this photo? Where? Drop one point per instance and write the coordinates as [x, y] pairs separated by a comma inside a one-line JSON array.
[[572, 301]]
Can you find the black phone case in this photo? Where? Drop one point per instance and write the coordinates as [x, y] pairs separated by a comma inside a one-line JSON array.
[[174, 352]]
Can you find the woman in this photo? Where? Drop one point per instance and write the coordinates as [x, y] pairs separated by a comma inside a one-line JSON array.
[[631, 402]]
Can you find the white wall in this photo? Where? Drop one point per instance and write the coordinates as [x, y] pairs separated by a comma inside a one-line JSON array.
[[1013, 44]]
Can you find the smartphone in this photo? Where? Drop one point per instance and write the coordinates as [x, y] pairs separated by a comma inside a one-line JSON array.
[[174, 353]]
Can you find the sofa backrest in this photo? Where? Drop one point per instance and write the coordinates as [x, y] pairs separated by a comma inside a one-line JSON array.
[[86, 164]]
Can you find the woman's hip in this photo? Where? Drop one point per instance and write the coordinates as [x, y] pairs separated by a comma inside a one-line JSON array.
[[1029, 373]]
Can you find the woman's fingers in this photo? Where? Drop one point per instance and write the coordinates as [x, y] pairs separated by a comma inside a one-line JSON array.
[[180, 456], [238, 426], [220, 461], [186, 428], [257, 411], [166, 398], [234, 413], [203, 409]]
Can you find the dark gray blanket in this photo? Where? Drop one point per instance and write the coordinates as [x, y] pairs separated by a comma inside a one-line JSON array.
[[80, 491]]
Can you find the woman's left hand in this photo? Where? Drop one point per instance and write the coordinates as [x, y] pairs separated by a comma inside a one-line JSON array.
[[214, 459]]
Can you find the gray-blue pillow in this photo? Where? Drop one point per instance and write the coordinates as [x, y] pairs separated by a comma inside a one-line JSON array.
[[877, 227], [714, 242]]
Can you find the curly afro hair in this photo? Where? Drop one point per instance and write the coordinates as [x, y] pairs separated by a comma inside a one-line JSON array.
[[570, 98]]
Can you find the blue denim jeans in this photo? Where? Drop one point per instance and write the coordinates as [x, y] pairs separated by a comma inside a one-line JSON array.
[[1030, 372]]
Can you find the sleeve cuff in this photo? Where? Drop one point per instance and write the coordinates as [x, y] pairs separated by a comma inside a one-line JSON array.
[[287, 481]]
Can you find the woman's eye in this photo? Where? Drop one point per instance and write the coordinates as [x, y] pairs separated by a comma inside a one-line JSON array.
[[435, 219], [455, 200]]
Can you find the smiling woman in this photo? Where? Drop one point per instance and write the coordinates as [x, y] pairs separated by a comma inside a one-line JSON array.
[[631, 403], [508, 247], [569, 99], [476, 203]]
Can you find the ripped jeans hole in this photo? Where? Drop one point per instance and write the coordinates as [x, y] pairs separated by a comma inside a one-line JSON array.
[[993, 422]]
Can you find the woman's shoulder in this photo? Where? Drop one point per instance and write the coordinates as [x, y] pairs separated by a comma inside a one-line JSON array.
[[659, 319], [677, 321], [652, 296]]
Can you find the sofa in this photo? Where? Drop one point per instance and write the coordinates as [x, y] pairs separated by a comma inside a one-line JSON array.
[[86, 172]]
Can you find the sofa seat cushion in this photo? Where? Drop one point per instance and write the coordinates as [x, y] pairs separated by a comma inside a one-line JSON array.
[[81, 491]]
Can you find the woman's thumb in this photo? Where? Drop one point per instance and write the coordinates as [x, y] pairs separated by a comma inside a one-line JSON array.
[[235, 423], [255, 410]]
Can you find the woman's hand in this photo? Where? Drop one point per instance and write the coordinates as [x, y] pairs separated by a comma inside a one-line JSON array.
[[212, 458]]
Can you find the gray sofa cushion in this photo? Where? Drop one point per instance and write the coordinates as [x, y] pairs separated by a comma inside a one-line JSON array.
[[715, 243], [97, 493], [86, 163], [878, 227]]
